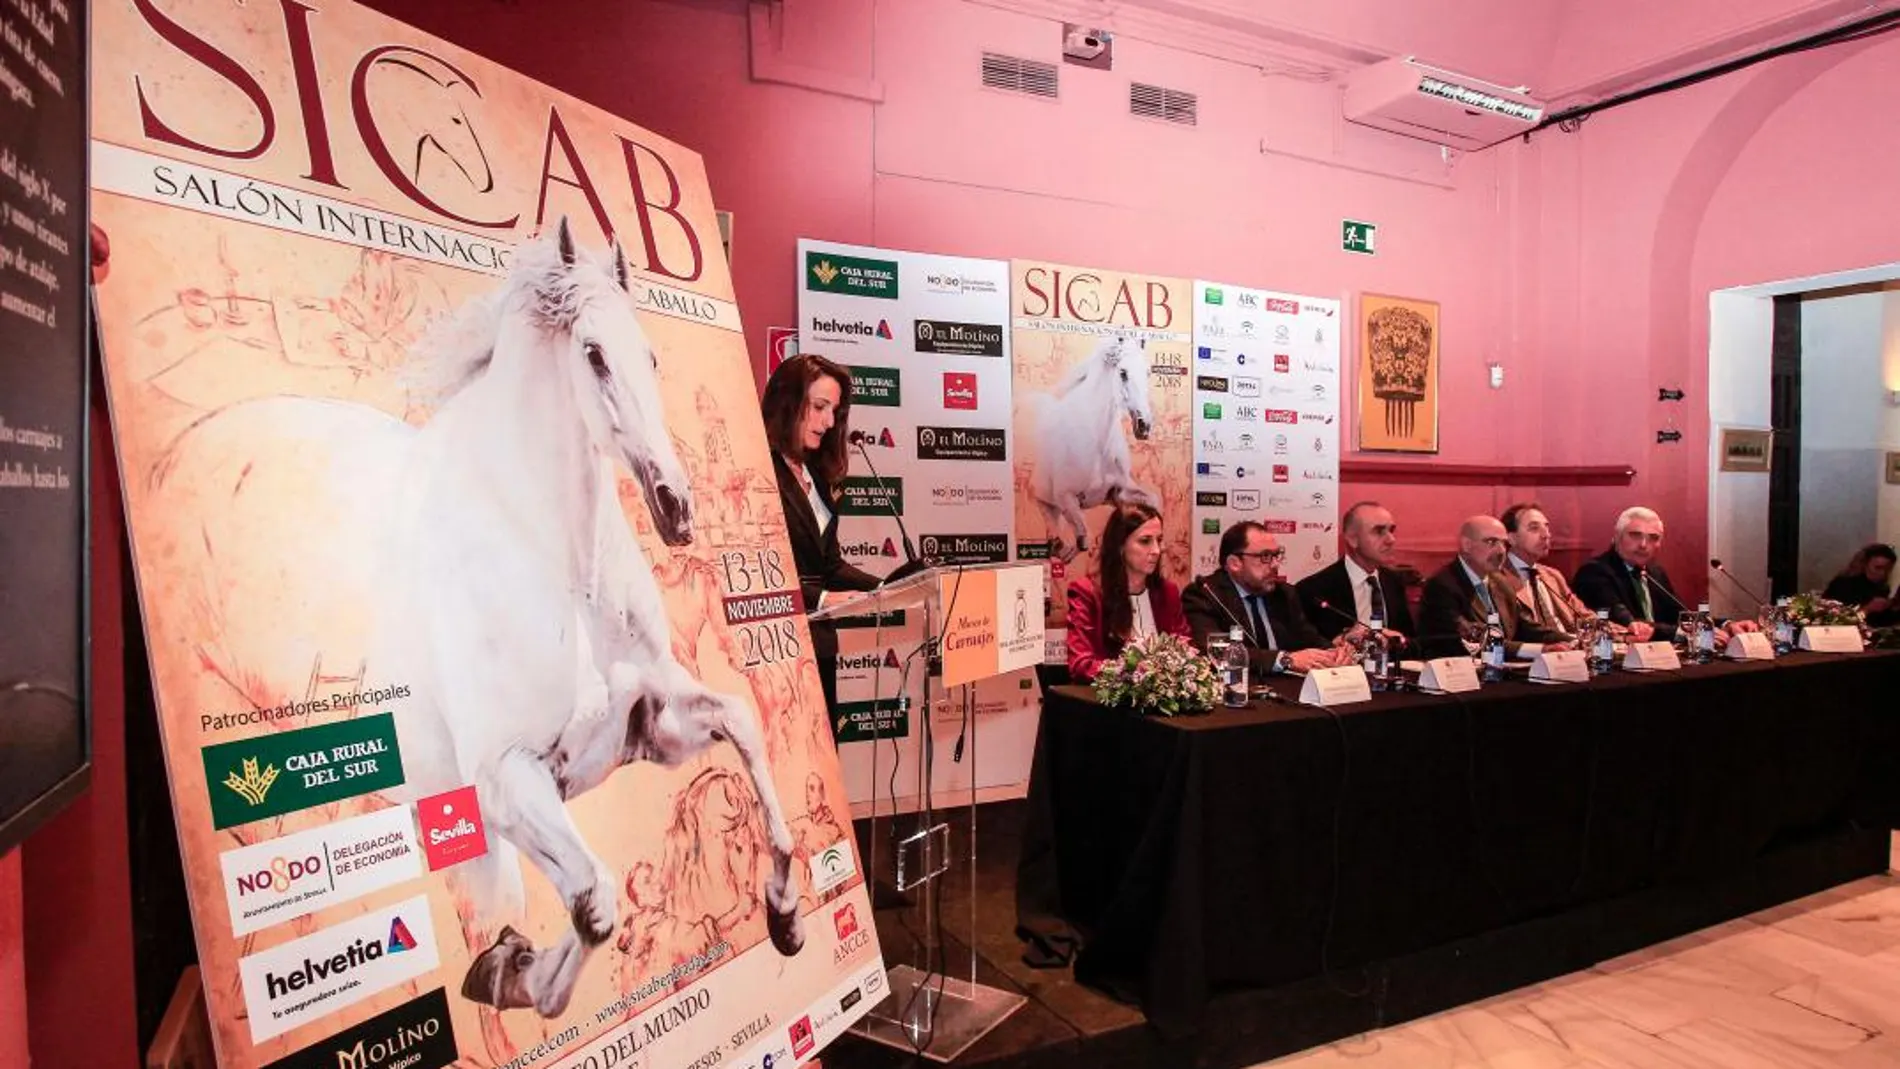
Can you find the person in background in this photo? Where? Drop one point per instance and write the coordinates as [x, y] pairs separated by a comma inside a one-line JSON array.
[[1345, 594], [1470, 588], [1867, 583], [1249, 593], [1126, 598], [807, 411], [1541, 591]]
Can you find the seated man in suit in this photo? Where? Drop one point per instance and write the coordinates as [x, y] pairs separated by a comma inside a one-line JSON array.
[[1470, 588], [1248, 593], [1541, 591], [1629, 583], [1361, 585]]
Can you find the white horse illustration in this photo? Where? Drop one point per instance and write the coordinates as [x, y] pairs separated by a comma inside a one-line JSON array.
[[486, 556], [1082, 457]]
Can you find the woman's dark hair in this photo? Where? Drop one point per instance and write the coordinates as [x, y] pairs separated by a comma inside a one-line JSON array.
[[1872, 551], [783, 407], [1111, 571]]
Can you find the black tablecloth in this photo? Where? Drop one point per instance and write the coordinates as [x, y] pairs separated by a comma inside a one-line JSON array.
[[1196, 854]]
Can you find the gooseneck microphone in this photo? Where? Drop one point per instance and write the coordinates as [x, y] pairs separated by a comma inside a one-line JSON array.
[[1350, 619], [1716, 563], [1643, 573], [911, 561]]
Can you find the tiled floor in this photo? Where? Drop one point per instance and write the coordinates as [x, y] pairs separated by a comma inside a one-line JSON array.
[[1812, 983]]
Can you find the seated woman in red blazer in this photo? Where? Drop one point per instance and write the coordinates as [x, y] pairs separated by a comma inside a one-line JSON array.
[[1125, 599]]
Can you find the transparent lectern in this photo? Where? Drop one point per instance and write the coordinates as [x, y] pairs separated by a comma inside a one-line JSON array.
[[936, 1007]]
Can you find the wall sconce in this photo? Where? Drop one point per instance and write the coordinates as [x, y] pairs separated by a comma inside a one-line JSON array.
[[1497, 376]]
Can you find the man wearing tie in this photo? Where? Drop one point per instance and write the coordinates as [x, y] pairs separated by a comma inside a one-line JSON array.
[[1541, 591], [1468, 589], [1248, 592], [1362, 585], [1627, 581]]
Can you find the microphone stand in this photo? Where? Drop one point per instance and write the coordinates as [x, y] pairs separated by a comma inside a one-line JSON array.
[[912, 563], [1718, 566]]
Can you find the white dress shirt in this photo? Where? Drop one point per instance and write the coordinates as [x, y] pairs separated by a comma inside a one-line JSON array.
[[1361, 593]]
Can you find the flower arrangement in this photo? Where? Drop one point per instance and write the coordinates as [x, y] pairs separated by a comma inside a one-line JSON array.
[[1160, 675], [1813, 610]]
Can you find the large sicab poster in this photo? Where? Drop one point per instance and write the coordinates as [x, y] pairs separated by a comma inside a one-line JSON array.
[[488, 705]]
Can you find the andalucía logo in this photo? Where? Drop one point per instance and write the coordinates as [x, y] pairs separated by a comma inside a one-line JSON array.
[[832, 866], [312, 977], [413, 1035], [285, 771]]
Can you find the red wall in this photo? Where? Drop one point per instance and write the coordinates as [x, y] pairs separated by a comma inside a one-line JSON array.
[[12, 963]]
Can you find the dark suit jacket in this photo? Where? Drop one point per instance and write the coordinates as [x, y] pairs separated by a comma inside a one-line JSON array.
[[1605, 582], [1333, 586], [1212, 606], [1451, 599], [1090, 645], [821, 567]]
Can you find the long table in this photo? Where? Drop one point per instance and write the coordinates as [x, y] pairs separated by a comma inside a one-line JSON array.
[[1254, 847]]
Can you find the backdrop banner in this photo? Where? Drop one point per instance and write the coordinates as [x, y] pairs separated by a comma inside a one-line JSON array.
[[1102, 413], [485, 691], [929, 356], [1266, 422]]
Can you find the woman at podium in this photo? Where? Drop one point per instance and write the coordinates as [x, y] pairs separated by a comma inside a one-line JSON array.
[[1126, 598], [807, 410]]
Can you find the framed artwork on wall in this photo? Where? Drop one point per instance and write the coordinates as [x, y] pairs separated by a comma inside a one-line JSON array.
[[1398, 374]]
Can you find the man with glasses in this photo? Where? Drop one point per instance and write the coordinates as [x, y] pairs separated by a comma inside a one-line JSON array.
[[1463, 593], [1248, 593], [1364, 585]]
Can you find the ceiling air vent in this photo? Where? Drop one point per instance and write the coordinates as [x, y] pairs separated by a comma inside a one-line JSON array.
[[1013, 74], [1160, 102]]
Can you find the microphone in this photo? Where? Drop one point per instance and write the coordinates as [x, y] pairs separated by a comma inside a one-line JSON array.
[[1716, 563], [1201, 581], [1351, 620], [1654, 585], [858, 439]]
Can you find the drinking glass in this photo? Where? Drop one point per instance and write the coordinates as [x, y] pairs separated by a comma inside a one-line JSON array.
[[1688, 631]]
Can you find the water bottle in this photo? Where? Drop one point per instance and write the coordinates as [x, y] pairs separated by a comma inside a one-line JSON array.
[[1603, 650], [1705, 634], [1234, 670], [1381, 656], [1784, 628], [1492, 653]]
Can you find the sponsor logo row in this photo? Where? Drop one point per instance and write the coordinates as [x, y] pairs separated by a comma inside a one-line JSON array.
[[1276, 473], [883, 387], [941, 337], [1269, 362], [863, 276]]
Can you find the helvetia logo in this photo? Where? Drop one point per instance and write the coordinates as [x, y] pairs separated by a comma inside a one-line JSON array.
[[837, 329], [304, 979], [868, 549], [867, 662]]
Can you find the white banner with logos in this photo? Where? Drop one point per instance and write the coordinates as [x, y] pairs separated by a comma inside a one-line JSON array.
[[1266, 422], [927, 342]]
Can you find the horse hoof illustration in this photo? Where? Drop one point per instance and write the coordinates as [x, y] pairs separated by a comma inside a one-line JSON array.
[[786, 929], [593, 914]]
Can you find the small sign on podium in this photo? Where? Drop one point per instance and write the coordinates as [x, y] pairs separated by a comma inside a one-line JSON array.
[[1561, 666], [1449, 675], [1327, 687], [1651, 657], [1830, 639], [1749, 646]]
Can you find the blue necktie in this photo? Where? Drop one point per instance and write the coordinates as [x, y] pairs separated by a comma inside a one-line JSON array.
[[1484, 595]]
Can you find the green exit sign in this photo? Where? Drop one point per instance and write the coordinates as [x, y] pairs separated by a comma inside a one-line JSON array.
[[1355, 236]]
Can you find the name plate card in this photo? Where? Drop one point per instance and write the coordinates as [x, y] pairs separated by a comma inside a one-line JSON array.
[[1449, 675], [1830, 639], [1563, 666], [1327, 687], [1651, 657], [1749, 646]]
